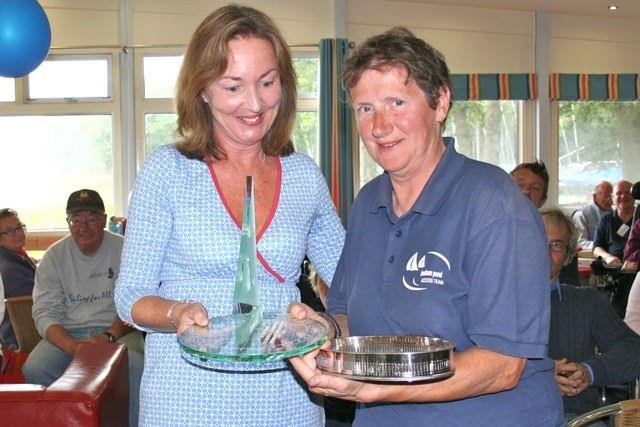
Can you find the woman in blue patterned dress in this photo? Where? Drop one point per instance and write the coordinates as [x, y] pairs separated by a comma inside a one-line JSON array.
[[236, 106]]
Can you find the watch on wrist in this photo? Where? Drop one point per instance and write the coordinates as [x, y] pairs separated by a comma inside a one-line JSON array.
[[112, 338]]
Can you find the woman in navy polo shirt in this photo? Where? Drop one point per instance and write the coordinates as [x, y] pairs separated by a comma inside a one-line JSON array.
[[438, 245]]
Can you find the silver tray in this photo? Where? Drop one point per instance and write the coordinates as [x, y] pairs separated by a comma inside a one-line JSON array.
[[388, 358]]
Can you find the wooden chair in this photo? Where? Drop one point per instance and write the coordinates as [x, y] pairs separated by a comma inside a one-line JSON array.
[[19, 310], [626, 414]]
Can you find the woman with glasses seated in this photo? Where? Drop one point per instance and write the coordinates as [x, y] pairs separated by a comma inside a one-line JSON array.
[[16, 267]]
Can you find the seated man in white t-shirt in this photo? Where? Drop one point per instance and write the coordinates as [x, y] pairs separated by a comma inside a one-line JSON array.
[[73, 301]]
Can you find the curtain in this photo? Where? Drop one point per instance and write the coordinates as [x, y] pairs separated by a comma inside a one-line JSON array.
[[336, 126], [562, 87], [492, 87], [594, 87]]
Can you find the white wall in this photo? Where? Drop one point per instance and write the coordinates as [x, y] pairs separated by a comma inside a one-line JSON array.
[[170, 21], [579, 44], [82, 22], [473, 39], [483, 40], [163, 22]]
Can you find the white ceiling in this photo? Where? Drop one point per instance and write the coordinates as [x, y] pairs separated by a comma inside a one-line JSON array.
[[627, 9]]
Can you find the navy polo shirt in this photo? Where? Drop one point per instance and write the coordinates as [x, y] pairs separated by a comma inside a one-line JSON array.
[[607, 236], [469, 263]]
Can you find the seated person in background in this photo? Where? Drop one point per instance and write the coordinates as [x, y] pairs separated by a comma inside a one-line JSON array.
[[581, 321], [1, 303], [632, 248], [613, 228], [73, 297], [533, 180], [1, 316], [586, 219], [16, 267], [117, 224], [632, 315]]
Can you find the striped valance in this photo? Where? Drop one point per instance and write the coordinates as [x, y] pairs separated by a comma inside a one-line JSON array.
[[478, 87], [594, 87]]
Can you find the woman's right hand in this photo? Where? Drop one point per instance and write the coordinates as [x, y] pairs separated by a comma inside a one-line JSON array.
[[299, 310], [187, 314]]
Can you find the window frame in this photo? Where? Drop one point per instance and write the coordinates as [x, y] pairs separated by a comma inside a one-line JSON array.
[[76, 100], [22, 106]]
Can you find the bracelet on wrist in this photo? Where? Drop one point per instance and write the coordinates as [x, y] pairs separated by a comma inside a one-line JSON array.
[[337, 332], [170, 311], [170, 314]]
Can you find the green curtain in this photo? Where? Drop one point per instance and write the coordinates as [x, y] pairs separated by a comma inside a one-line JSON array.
[[493, 87], [594, 87], [336, 126]]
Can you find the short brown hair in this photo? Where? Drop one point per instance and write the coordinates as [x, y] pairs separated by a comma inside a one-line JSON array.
[[400, 47], [206, 60], [537, 168]]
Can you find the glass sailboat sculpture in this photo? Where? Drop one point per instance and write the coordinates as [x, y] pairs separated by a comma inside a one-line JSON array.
[[246, 292]]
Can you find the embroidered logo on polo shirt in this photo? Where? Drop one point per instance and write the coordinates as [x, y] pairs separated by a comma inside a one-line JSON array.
[[424, 271]]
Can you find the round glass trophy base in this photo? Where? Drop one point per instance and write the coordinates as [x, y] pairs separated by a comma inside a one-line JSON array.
[[237, 343]]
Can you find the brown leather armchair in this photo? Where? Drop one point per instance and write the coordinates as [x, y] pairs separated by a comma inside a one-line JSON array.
[[93, 391]]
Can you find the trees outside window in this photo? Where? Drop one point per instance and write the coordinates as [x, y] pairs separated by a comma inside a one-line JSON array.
[[596, 140]]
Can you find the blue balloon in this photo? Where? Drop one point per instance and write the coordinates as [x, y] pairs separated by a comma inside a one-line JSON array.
[[25, 37]]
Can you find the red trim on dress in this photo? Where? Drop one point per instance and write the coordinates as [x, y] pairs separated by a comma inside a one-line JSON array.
[[270, 216]]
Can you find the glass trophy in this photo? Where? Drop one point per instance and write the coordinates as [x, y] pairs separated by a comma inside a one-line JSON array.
[[249, 339]]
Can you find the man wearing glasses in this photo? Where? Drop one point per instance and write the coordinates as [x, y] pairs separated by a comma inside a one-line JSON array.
[[73, 297], [582, 320]]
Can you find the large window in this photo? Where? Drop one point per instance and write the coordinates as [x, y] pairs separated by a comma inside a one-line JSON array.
[[58, 139], [596, 141], [484, 130]]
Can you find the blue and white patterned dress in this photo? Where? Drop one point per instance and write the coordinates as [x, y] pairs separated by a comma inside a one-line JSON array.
[[181, 243]]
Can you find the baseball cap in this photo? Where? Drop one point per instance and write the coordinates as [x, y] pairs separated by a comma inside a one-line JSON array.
[[85, 199]]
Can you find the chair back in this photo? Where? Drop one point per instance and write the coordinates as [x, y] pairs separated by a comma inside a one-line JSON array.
[[19, 310], [630, 415], [626, 414]]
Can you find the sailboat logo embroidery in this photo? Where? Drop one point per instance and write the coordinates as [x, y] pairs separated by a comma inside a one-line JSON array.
[[426, 270]]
